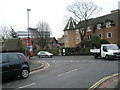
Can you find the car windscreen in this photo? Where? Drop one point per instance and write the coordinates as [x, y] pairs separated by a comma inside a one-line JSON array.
[[112, 47]]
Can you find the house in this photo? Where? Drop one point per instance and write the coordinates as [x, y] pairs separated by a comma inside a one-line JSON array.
[[107, 27], [61, 41], [71, 34], [52, 43], [23, 34]]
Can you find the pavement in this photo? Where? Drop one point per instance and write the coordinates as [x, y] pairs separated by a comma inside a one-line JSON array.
[[36, 65], [111, 82]]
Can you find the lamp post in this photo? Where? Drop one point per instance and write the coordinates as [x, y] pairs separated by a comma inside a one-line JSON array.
[[28, 29]]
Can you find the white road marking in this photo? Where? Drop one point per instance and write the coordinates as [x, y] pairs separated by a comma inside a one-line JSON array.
[[53, 61], [68, 72], [25, 86]]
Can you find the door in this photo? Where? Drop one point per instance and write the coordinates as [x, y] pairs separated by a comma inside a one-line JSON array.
[[5, 67], [14, 64]]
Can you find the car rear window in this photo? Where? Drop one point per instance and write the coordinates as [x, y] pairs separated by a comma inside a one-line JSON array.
[[21, 57], [13, 57], [4, 58]]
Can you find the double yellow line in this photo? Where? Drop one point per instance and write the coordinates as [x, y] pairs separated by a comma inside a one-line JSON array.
[[102, 80]]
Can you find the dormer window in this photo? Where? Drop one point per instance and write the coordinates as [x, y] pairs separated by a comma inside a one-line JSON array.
[[99, 26], [88, 29], [108, 24]]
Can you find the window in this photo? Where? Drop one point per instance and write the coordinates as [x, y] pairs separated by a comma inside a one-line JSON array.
[[99, 26], [66, 32], [77, 39], [108, 24], [109, 35], [4, 58], [100, 35], [89, 36], [13, 57], [88, 29], [77, 31], [66, 40]]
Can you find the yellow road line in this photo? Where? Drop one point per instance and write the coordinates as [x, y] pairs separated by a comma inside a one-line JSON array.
[[102, 80]]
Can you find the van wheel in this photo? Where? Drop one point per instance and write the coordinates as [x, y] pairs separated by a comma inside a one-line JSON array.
[[24, 73], [95, 56], [107, 57]]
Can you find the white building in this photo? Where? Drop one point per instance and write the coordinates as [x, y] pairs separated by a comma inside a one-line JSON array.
[[23, 34]]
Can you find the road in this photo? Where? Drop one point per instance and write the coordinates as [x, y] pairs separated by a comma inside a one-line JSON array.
[[66, 72]]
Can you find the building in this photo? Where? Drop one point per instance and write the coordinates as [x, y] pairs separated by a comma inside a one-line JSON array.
[[61, 41], [52, 43], [23, 34], [107, 27], [71, 34]]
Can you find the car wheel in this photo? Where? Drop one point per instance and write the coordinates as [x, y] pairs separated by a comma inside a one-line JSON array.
[[46, 56], [38, 56], [24, 73], [95, 56], [107, 57], [51, 56]]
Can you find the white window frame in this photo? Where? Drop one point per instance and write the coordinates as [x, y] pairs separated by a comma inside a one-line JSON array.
[[89, 29], [100, 35], [108, 34], [77, 38], [89, 36], [108, 24], [99, 26], [77, 30]]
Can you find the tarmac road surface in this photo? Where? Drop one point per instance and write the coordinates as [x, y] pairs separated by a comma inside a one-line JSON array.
[[66, 72]]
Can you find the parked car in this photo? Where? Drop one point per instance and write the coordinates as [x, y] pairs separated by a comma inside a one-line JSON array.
[[44, 54], [14, 64]]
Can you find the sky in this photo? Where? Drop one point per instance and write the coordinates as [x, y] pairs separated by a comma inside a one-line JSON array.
[[14, 13]]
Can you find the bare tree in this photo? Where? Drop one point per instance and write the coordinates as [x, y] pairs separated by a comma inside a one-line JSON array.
[[4, 32], [82, 12], [41, 34]]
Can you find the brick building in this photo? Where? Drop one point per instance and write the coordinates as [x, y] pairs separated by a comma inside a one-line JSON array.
[[71, 34], [107, 27]]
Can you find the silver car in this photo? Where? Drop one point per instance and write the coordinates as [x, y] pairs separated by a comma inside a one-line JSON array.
[[44, 54]]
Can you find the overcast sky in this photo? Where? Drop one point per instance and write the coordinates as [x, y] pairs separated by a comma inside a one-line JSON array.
[[14, 13]]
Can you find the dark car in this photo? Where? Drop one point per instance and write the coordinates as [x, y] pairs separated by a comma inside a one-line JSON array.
[[14, 64]]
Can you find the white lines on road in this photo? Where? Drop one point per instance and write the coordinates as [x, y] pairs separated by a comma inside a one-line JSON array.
[[68, 72], [71, 61], [25, 86]]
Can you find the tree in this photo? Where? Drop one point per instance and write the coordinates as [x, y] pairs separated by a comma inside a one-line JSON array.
[[104, 41], [95, 40], [41, 34], [13, 33], [82, 12], [4, 32]]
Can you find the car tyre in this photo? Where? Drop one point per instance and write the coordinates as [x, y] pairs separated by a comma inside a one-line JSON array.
[[24, 73], [107, 57], [95, 56], [50, 56]]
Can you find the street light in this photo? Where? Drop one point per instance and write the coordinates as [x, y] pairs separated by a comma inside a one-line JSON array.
[[28, 28]]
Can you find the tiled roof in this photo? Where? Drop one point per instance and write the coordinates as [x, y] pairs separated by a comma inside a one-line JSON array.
[[113, 17], [71, 25]]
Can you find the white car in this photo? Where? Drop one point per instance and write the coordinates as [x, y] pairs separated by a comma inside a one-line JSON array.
[[41, 54]]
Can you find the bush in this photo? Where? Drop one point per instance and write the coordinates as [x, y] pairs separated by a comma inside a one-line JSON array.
[[77, 51]]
